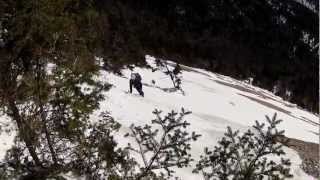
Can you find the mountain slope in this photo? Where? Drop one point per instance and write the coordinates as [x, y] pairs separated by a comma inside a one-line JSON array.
[[216, 102], [272, 41]]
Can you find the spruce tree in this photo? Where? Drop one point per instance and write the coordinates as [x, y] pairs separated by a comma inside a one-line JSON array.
[[49, 89], [173, 72], [247, 156], [163, 148]]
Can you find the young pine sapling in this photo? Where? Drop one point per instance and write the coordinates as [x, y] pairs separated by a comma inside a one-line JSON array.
[[246, 156], [165, 148], [174, 74]]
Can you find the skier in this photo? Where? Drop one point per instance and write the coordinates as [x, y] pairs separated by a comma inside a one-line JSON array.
[[135, 81]]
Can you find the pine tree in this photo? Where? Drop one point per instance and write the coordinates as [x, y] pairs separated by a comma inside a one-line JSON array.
[[164, 148], [246, 156], [174, 73], [49, 89]]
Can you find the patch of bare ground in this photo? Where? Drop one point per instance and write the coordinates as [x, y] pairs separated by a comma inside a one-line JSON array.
[[309, 153]]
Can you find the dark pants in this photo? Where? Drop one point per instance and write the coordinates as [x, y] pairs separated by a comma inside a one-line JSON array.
[[137, 85]]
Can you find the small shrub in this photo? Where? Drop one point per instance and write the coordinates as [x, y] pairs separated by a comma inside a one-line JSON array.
[[245, 157], [174, 73], [165, 148]]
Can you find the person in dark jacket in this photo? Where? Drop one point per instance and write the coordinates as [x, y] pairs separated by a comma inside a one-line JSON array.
[[135, 81]]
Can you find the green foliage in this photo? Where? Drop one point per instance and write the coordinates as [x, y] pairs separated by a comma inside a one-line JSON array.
[[49, 88], [52, 110], [61, 32], [268, 40], [174, 74], [164, 148], [246, 156]]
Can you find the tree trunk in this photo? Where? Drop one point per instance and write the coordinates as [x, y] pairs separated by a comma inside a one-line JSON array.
[[24, 132], [43, 114]]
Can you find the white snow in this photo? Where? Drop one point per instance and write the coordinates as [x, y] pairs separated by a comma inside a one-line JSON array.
[[216, 101], [50, 68], [85, 88], [7, 133], [308, 5]]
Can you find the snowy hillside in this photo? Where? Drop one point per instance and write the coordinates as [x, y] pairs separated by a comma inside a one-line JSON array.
[[309, 4], [216, 102]]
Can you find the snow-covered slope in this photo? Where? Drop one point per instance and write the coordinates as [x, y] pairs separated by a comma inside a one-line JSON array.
[[216, 102], [309, 4]]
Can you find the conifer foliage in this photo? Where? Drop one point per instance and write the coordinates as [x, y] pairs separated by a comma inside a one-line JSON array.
[[48, 88], [173, 73], [245, 157], [164, 148]]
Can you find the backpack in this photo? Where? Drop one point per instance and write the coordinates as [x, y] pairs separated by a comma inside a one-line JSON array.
[[136, 76]]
